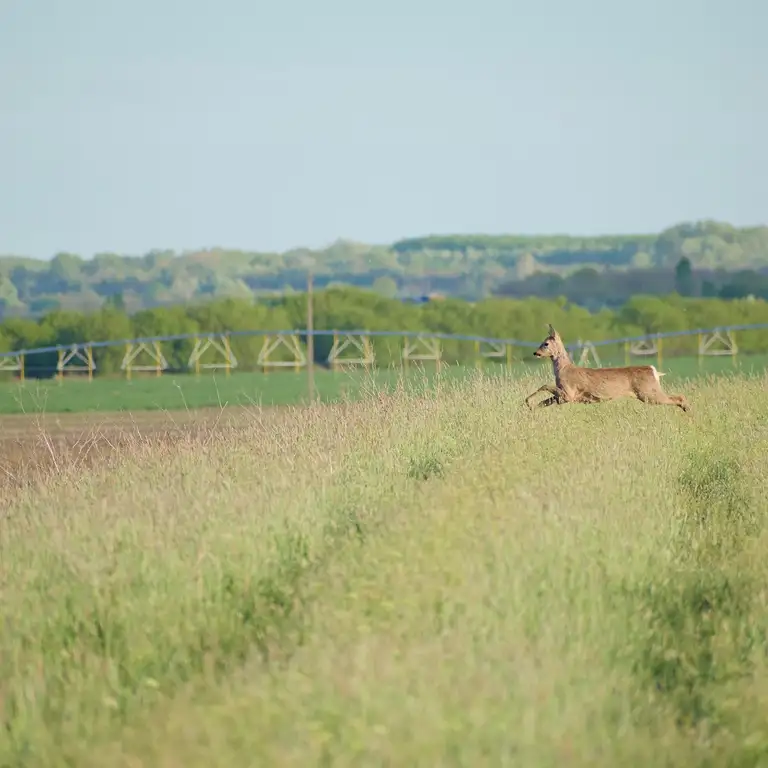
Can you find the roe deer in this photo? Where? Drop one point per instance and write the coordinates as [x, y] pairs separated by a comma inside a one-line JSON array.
[[574, 384]]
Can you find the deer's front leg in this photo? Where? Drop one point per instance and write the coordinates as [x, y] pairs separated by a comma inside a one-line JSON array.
[[552, 390]]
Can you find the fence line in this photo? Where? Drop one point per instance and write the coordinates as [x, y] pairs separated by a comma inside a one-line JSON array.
[[417, 346]]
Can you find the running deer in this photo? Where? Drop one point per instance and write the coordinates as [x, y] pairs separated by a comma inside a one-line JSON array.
[[574, 384]]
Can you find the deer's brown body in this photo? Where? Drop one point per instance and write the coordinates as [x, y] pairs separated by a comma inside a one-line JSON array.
[[574, 384]]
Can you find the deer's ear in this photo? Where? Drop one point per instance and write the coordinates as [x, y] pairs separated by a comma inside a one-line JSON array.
[[552, 331]]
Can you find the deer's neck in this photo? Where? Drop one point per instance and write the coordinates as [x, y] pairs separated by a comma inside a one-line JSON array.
[[560, 362]]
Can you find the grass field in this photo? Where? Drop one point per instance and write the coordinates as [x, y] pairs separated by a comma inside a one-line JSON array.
[[175, 392], [430, 577]]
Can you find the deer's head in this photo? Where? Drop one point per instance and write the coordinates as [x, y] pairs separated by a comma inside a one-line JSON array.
[[552, 346]]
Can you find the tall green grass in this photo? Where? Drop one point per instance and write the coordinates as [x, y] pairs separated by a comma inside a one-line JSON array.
[[173, 391], [429, 577]]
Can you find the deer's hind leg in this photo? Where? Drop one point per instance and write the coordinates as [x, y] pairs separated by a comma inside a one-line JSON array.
[[657, 396], [680, 402]]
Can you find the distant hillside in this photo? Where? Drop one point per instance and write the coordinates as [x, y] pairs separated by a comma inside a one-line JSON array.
[[466, 266]]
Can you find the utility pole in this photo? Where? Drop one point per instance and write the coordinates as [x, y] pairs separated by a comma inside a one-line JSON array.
[[310, 340]]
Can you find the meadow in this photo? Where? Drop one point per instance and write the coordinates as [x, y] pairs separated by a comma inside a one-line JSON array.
[[431, 575], [182, 391]]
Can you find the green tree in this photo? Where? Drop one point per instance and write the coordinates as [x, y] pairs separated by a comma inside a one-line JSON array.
[[116, 301], [385, 286], [684, 280], [9, 294], [66, 267]]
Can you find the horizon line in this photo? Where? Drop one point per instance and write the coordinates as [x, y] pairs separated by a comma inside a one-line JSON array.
[[523, 236]]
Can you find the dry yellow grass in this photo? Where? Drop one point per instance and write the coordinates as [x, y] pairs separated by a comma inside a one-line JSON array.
[[434, 578]]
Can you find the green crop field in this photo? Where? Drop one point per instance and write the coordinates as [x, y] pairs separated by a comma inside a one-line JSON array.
[[181, 391], [438, 577]]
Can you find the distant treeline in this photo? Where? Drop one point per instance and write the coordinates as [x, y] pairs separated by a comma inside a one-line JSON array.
[[351, 309], [594, 288], [593, 271]]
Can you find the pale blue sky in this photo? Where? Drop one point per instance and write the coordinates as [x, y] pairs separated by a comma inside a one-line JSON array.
[[127, 126]]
